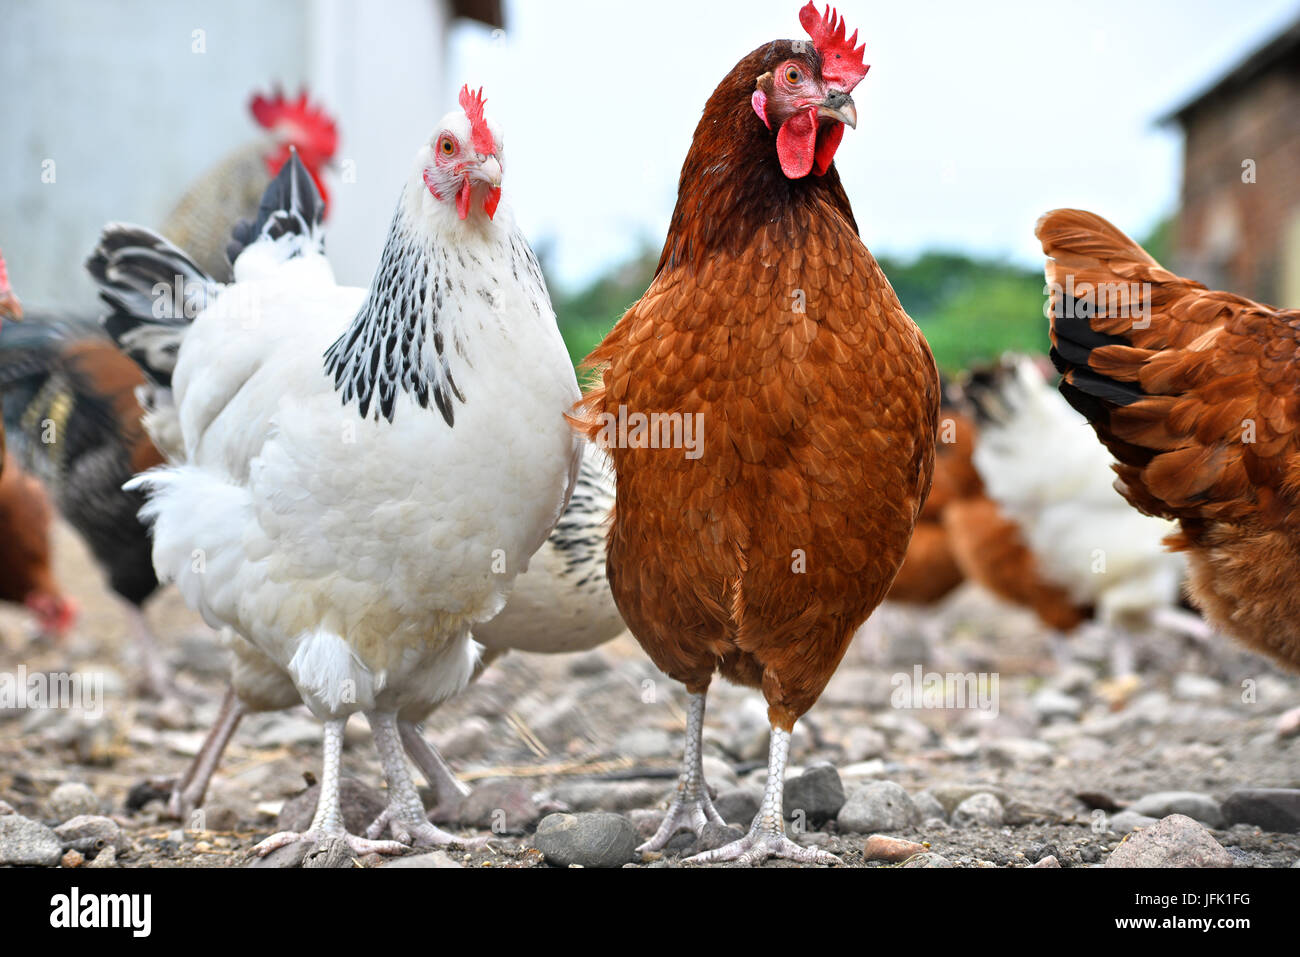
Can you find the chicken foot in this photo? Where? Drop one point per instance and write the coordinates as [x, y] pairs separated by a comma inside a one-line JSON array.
[[691, 807]]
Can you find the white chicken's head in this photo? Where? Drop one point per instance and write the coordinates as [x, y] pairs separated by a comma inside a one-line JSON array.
[[462, 163]]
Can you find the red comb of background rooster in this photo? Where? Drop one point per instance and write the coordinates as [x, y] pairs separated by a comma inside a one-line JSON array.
[[841, 63], [306, 126], [472, 104]]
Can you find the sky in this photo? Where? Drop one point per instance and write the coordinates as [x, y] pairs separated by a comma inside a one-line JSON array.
[[974, 119]]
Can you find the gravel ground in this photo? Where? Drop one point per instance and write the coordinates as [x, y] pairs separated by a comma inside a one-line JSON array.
[[573, 757]]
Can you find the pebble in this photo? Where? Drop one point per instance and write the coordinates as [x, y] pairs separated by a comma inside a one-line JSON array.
[[644, 743], [715, 836], [646, 821], [1189, 686], [434, 859], [979, 810], [361, 805], [1126, 821], [878, 806], [863, 744], [1053, 705], [1288, 724], [289, 856], [928, 859], [1273, 809], [105, 858], [71, 859], [1197, 806], [817, 792], [90, 833], [72, 798], [928, 806], [1048, 861], [880, 847], [504, 806], [1176, 841], [6, 808], [24, 841], [950, 795], [331, 853], [1008, 752], [738, 805], [593, 839]]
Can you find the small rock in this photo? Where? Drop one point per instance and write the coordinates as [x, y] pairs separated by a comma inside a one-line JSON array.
[[1177, 841], [738, 805], [6, 808], [1036, 852], [289, 856], [588, 664], [879, 847], [1193, 687], [863, 744], [333, 852], [950, 795], [105, 858], [979, 810], [24, 841], [90, 833], [1008, 752], [593, 839], [817, 792], [928, 806], [715, 836], [1273, 809], [928, 859], [1126, 821], [220, 816], [1048, 861], [361, 805], [1090, 853], [72, 798], [1199, 807], [71, 859], [644, 743], [879, 806], [504, 806], [440, 859], [646, 821], [1288, 724], [1053, 705]]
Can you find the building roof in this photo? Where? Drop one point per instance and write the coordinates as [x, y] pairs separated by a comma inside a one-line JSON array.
[[1283, 50], [485, 11]]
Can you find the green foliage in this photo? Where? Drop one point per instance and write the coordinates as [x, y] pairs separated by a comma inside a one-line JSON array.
[[587, 315]]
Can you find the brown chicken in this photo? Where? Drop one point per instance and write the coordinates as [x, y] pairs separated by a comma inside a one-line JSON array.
[[26, 575], [1197, 395], [758, 549]]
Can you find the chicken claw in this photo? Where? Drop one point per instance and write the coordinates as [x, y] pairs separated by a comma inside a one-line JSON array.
[[691, 807]]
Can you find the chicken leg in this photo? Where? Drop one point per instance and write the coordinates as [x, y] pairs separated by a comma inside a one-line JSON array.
[[766, 837], [187, 794], [691, 807], [404, 816], [328, 821], [449, 791]]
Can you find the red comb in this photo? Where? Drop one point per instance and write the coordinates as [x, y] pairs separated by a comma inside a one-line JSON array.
[[300, 123], [841, 64], [4, 274], [472, 104]]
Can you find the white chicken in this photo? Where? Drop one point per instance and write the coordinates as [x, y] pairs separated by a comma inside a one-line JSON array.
[[1036, 461], [366, 472]]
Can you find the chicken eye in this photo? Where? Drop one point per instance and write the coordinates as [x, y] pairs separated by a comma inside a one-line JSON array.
[[792, 74], [447, 146]]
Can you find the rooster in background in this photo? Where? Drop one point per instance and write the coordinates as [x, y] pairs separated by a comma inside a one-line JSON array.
[[817, 399], [201, 221], [1196, 394], [366, 472]]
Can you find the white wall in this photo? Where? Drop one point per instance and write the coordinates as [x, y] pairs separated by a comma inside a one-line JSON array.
[[114, 95]]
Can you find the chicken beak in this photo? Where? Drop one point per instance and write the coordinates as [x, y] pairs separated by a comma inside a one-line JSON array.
[[839, 106], [489, 171]]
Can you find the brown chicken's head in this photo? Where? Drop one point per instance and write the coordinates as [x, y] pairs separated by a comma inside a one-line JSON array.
[[301, 125], [10, 307], [806, 99], [55, 614], [463, 159]]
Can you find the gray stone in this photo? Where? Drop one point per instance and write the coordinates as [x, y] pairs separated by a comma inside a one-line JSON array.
[[1273, 809], [105, 858], [1008, 752], [331, 853], [1193, 687], [440, 859], [715, 836], [928, 806], [817, 792], [1199, 807], [89, 834], [950, 795], [71, 799], [289, 856], [863, 744], [738, 805], [644, 743], [1048, 861], [1126, 821], [594, 839], [928, 859], [978, 810], [879, 806], [1053, 705], [361, 804], [24, 841], [1177, 841], [504, 806], [6, 808]]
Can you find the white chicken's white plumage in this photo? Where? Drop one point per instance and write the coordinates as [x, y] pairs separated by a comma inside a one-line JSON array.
[[366, 472], [1036, 461]]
